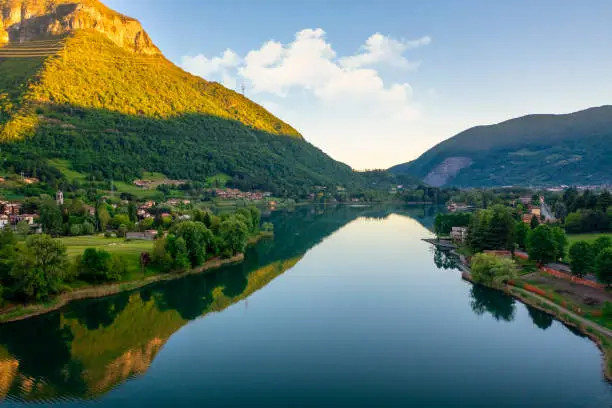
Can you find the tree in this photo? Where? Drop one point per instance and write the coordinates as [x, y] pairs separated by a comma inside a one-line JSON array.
[[560, 210], [122, 231], [573, 222], [500, 229], [605, 200], [95, 265], [40, 267], [600, 244], [234, 234], [267, 227], [603, 266], [489, 269], [255, 217], [104, 217], [160, 255], [121, 219], [541, 244], [177, 247], [521, 231], [581, 258], [245, 215], [51, 218], [132, 212], [197, 238], [560, 239], [534, 222], [23, 229]]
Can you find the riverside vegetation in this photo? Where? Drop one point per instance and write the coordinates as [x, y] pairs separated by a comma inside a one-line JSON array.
[[37, 267]]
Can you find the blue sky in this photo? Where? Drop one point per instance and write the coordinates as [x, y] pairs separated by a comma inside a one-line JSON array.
[[376, 83]]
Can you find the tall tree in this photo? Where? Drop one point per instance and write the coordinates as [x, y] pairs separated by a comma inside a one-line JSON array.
[[541, 244], [604, 266], [581, 258], [521, 231], [40, 267]]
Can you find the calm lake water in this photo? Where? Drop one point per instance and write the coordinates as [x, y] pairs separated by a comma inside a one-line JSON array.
[[345, 307]]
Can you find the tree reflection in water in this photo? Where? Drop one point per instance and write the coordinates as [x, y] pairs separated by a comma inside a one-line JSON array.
[[487, 300], [445, 260], [540, 319]]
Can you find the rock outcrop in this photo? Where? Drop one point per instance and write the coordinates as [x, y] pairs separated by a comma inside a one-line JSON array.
[[35, 20]]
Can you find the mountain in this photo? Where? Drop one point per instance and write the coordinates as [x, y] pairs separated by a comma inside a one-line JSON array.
[[573, 149], [84, 84]]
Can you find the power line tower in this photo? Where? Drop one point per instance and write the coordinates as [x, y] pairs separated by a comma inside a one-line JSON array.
[[243, 87]]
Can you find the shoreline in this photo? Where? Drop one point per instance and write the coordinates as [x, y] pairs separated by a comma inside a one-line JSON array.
[[26, 311], [559, 313]]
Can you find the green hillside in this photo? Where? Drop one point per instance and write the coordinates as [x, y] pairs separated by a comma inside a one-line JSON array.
[[532, 150], [116, 113]]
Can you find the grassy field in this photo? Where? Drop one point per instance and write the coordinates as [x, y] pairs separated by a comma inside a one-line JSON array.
[[586, 237], [64, 167], [220, 178], [77, 245], [129, 250]]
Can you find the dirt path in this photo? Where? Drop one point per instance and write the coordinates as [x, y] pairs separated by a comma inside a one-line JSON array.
[[563, 310]]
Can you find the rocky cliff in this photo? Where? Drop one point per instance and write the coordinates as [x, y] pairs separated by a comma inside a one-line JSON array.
[[32, 20]]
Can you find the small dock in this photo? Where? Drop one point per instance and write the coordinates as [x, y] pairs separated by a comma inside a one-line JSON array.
[[444, 244]]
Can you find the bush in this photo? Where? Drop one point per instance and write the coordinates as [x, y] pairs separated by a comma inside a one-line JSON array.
[[267, 227], [107, 234], [488, 269]]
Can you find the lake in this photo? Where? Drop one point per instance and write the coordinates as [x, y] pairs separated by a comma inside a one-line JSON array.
[[345, 307]]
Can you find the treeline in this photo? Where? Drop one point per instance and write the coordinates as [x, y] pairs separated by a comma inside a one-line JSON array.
[[444, 223], [592, 258], [584, 212], [37, 266]]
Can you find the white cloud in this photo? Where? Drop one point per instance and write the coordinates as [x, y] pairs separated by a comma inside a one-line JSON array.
[[379, 49], [305, 81], [219, 67]]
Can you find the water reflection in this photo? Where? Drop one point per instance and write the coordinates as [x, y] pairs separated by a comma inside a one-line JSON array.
[[486, 300], [445, 260], [540, 319], [92, 346]]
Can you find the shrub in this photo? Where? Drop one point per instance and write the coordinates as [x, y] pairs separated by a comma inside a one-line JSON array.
[[490, 269]]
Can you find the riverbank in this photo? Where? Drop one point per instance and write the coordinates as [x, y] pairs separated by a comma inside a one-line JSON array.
[[598, 334], [22, 312]]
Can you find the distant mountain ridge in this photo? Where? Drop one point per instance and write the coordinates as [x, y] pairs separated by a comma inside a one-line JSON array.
[[573, 148], [83, 83]]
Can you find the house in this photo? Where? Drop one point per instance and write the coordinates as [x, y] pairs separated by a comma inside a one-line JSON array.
[[12, 208], [459, 234], [147, 235], [59, 198], [29, 218], [90, 210], [525, 200], [535, 211], [4, 221]]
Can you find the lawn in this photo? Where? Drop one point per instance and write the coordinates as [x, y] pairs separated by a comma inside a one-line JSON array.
[[123, 187], [586, 237], [129, 250], [64, 167], [78, 245]]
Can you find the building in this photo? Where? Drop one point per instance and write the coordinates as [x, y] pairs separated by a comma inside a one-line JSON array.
[[459, 234], [59, 198], [148, 235], [4, 221], [29, 218], [90, 210]]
